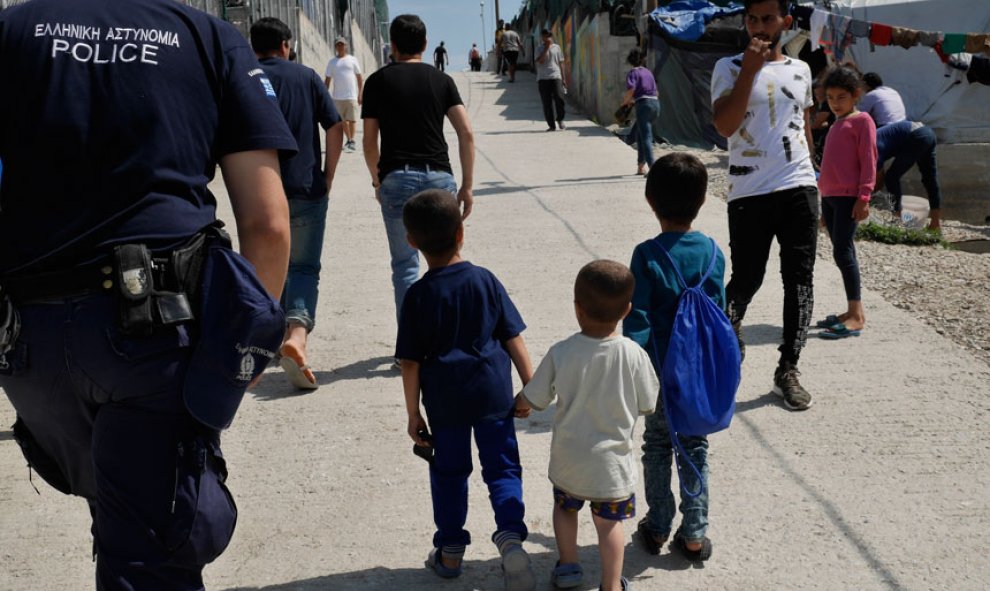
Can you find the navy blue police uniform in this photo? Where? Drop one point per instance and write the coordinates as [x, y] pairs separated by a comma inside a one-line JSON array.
[[125, 364]]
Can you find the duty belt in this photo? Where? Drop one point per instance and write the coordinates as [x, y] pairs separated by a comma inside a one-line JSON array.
[[152, 290]]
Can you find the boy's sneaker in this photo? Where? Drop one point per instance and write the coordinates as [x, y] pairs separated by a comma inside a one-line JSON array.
[[517, 570], [349, 146], [787, 386]]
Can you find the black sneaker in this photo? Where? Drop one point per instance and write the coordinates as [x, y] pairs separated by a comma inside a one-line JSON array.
[[787, 386], [737, 328]]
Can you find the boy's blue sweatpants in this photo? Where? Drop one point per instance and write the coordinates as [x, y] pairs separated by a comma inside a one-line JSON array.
[[498, 452]]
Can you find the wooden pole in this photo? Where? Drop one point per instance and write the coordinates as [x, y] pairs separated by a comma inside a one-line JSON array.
[[497, 15]]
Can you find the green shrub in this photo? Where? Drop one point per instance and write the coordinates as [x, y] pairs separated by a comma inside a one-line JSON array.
[[898, 235]]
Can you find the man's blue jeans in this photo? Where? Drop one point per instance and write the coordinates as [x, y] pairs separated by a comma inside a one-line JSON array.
[[647, 111], [658, 457], [398, 187], [920, 150], [308, 223]]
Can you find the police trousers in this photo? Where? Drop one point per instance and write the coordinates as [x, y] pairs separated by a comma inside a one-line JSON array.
[[101, 416]]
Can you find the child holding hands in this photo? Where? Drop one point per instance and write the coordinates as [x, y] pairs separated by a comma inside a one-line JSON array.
[[602, 382], [458, 331]]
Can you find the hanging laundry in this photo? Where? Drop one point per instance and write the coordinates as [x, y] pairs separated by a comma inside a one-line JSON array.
[[929, 39], [960, 61], [837, 36], [819, 18], [880, 34], [945, 57], [906, 38], [978, 43], [954, 43], [858, 28], [802, 16], [979, 70]]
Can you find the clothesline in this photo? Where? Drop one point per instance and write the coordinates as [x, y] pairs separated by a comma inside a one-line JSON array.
[[836, 32]]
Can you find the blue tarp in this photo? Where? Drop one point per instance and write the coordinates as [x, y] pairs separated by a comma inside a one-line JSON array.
[[686, 19]]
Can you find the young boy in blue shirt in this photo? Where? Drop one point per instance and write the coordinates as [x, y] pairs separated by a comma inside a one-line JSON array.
[[675, 191], [458, 333]]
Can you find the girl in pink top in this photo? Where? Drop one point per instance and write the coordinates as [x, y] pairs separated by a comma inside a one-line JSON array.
[[848, 173]]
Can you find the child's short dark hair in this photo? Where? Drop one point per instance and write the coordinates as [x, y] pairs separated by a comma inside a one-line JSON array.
[[783, 4], [267, 35], [676, 187], [635, 57], [408, 33], [432, 219], [604, 289], [845, 78]]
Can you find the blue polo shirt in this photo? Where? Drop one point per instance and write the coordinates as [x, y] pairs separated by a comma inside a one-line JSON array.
[[453, 322], [113, 117], [306, 106]]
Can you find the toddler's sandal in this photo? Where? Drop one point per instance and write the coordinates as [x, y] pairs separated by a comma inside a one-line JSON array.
[[566, 576]]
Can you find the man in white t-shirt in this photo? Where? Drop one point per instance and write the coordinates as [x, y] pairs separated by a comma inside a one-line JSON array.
[[550, 80], [762, 103], [344, 74]]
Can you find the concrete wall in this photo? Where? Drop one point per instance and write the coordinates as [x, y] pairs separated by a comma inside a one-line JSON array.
[[363, 50], [964, 176]]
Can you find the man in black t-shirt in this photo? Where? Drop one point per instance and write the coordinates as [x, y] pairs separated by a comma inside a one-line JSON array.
[[307, 107], [406, 102], [124, 370]]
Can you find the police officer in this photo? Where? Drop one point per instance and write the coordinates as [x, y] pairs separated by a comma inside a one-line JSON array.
[[120, 368]]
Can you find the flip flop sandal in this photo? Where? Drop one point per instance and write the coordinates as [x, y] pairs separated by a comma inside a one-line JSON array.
[[566, 576], [829, 321], [839, 331], [296, 374], [650, 541], [700, 555], [433, 561]]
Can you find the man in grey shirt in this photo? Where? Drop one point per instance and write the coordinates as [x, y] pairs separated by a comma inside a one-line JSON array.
[[549, 61], [511, 49]]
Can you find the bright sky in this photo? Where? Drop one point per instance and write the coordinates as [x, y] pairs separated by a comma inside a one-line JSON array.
[[455, 22]]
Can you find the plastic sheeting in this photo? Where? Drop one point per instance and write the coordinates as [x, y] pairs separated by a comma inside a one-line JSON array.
[[686, 19], [956, 109]]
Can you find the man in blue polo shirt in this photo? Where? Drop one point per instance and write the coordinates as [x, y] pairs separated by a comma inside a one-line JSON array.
[[121, 113], [307, 107]]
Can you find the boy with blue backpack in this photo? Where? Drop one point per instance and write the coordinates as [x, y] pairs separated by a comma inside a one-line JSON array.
[[677, 316]]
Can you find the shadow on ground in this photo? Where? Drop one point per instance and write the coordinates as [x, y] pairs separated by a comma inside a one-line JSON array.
[[275, 386], [486, 575], [6, 435]]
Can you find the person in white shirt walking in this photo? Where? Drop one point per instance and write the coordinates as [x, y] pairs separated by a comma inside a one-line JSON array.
[[346, 84]]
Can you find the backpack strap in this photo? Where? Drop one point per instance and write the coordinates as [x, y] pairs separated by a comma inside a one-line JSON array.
[[655, 243]]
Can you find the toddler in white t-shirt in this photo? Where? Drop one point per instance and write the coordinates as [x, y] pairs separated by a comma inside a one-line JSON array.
[[603, 382]]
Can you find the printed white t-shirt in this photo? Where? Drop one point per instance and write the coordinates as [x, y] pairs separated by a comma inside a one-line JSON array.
[[769, 151], [601, 387], [343, 73]]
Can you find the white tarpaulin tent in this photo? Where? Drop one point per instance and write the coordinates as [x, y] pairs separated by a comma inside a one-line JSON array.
[[957, 110]]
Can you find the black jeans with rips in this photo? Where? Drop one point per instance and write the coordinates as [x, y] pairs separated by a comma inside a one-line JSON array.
[[790, 216]]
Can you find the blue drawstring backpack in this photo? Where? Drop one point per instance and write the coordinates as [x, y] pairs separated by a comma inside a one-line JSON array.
[[701, 371]]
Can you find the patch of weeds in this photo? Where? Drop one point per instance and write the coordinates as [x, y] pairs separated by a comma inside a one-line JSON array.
[[899, 235]]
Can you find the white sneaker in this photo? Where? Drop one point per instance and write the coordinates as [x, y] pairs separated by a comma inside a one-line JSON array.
[[517, 570]]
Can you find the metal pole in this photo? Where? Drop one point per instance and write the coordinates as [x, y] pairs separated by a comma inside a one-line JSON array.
[[498, 15], [484, 38]]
